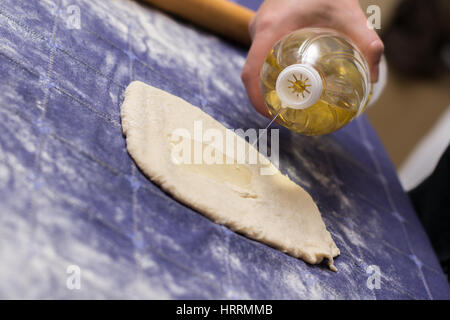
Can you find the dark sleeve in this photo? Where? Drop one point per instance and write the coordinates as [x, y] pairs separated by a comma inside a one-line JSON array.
[[431, 199]]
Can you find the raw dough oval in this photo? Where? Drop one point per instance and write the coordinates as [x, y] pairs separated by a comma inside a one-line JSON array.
[[269, 208]]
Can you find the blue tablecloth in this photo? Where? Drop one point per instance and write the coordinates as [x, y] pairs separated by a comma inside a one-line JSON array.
[[71, 197]]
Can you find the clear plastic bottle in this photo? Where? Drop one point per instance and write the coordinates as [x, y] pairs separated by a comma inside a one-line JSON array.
[[316, 80]]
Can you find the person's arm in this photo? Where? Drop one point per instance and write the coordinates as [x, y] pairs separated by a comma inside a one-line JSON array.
[[276, 18]]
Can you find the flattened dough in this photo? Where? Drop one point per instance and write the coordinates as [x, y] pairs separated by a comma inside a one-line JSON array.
[[268, 208]]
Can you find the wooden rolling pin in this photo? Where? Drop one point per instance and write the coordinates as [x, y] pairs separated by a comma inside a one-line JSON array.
[[220, 16]]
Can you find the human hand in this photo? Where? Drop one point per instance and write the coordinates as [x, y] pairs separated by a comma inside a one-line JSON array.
[[276, 18]]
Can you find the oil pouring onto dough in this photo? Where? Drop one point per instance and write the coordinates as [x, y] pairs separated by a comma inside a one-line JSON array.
[[269, 208]]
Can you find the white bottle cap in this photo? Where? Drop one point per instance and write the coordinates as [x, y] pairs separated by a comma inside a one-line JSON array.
[[298, 86]]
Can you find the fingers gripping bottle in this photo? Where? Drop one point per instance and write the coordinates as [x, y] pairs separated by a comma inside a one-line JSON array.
[[316, 80]]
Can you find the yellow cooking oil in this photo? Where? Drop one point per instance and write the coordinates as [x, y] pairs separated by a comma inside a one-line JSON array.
[[315, 81]]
